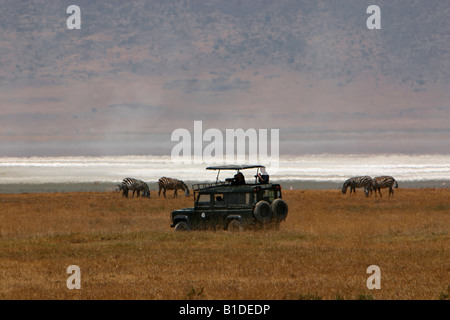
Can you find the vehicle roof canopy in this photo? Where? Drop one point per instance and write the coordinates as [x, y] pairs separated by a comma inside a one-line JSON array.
[[245, 188], [234, 167]]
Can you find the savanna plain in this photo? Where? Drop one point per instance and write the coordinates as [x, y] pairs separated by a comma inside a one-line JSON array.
[[126, 249]]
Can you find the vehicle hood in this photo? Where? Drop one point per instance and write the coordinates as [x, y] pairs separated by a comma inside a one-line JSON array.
[[183, 210]]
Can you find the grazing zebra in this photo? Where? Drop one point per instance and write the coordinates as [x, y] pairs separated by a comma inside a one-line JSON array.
[[135, 185], [172, 184], [124, 189], [384, 182], [358, 182]]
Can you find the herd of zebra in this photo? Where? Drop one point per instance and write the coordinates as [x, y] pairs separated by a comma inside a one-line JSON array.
[[140, 188], [370, 184]]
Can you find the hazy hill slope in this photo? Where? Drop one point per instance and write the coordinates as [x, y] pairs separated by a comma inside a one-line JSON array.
[[323, 39]]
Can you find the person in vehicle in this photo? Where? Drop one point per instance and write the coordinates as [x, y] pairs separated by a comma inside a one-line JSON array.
[[239, 179], [263, 176]]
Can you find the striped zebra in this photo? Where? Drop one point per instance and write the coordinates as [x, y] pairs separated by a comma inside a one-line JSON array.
[[384, 182], [138, 186], [358, 182], [172, 184]]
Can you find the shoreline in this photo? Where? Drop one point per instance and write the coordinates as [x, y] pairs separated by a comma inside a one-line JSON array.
[[97, 186]]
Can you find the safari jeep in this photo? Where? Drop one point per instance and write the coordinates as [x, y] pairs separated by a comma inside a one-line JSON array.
[[232, 206]]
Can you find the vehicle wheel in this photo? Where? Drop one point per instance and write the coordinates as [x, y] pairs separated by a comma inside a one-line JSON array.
[[280, 209], [182, 226], [263, 212], [235, 226]]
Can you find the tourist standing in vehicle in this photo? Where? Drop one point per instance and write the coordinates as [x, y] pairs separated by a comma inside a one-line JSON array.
[[263, 176]]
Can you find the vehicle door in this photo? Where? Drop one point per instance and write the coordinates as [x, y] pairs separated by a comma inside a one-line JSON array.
[[203, 210]]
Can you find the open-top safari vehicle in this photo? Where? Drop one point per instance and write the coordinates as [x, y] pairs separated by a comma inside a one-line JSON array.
[[233, 204]]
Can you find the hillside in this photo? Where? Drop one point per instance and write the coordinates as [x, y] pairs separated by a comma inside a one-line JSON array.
[[138, 70], [321, 40]]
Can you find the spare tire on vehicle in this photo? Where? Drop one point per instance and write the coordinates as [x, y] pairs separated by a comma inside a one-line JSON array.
[[279, 209], [263, 212]]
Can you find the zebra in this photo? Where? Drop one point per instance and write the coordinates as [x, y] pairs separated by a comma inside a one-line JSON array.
[[135, 185], [384, 182], [358, 182], [172, 184], [124, 189]]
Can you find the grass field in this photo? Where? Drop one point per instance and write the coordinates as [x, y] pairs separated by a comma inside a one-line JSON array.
[[126, 249]]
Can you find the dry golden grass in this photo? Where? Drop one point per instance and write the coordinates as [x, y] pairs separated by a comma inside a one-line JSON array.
[[127, 250]]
